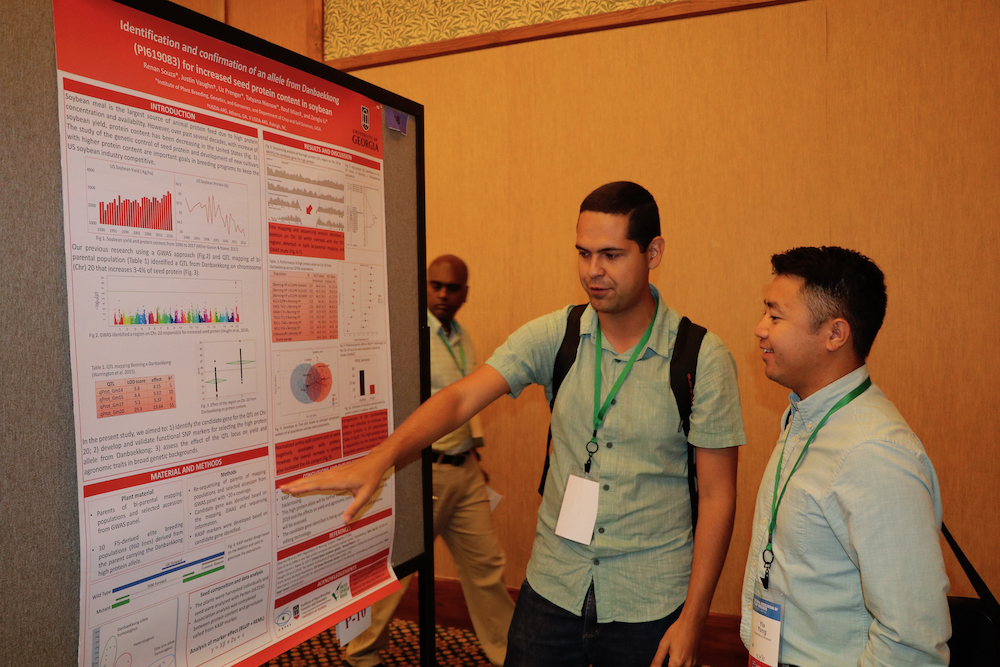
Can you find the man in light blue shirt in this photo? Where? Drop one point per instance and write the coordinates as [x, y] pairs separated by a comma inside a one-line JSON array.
[[633, 585], [848, 515]]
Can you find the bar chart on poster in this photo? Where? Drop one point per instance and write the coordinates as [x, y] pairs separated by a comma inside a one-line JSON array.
[[225, 237], [123, 200]]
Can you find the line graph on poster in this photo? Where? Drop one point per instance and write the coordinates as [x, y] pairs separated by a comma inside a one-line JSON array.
[[227, 368], [307, 383], [309, 193], [131, 200]]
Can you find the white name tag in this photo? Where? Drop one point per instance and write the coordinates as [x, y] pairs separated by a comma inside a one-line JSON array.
[[765, 628], [578, 514]]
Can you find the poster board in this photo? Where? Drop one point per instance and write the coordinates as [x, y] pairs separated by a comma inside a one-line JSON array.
[[229, 231]]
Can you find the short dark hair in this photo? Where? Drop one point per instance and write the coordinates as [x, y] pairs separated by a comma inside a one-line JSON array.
[[629, 199], [839, 283]]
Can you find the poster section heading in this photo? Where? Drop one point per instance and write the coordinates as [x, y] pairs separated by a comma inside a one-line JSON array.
[[154, 56]]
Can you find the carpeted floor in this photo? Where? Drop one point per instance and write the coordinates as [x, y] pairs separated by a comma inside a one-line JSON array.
[[454, 647]]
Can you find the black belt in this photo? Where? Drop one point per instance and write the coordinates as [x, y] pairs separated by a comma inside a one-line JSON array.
[[452, 459]]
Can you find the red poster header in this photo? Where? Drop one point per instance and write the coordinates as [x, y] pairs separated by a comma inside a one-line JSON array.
[[121, 46], [72, 86], [179, 470], [322, 150]]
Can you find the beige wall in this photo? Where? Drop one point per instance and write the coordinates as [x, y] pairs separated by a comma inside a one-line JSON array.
[[867, 124]]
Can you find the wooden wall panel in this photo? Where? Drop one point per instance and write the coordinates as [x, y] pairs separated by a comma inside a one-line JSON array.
[[214, 9], [296, 25]]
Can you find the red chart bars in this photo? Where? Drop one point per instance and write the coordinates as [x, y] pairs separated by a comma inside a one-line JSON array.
[[361, 383], [144, 213]]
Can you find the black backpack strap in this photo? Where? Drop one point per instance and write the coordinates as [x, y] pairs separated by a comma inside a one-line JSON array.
[[989, 602], [565, 358], [683, 368]]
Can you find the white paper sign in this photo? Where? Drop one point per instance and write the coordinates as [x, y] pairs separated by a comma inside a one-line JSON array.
[[352, 626]]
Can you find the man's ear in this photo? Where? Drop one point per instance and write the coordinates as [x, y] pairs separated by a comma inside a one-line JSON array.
[[655, 251], [839, 334]]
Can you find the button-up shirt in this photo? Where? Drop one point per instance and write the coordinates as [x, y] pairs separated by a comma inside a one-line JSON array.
[[857, 542], [640, 557], [445, 370]]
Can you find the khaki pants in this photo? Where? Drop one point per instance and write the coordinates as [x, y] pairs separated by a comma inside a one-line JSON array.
[[463, 519]]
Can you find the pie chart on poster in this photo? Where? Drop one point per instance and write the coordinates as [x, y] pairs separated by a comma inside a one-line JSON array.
[[311, 383]]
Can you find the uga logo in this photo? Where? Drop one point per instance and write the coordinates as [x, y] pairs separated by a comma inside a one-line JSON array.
[[365, 118]]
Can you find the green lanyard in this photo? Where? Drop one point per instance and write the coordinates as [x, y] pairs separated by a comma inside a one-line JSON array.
[[768, 555], [600, 411], [461, 351]]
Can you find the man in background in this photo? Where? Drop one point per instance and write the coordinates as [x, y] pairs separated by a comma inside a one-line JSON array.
[[848, 515], [462, 514]]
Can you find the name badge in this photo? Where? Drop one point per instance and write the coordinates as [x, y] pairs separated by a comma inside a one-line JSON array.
[[578, 514], [765, 627]]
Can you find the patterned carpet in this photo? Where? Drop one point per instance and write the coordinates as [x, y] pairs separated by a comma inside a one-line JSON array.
[[454, 647]]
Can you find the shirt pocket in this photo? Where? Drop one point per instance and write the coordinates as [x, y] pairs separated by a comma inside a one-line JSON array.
[[648, 421], [798, 512]]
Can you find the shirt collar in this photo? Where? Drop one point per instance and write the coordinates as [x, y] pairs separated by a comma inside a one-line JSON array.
[[661, 339], [435, 326], [817, 405]]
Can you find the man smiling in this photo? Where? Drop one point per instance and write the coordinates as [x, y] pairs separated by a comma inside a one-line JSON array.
[[627, 582], [848, 515]]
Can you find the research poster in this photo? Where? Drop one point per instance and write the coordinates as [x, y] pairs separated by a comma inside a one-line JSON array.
[[226, 269]]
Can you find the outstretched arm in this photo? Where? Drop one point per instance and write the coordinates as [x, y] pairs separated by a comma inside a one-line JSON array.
[[716, 510], [441, 414]]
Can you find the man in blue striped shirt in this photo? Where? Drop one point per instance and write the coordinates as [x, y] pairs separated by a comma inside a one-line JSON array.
[[847, 525]]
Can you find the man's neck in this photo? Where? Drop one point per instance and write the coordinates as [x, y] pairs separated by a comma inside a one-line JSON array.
[[830, 375], [624, 330], [446, 325]]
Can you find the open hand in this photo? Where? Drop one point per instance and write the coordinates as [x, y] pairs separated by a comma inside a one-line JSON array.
[[360, 478]]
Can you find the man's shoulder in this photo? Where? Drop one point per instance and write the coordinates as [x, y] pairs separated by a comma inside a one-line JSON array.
[[528, 355], [878, 420], [552, 325], [869, 437]]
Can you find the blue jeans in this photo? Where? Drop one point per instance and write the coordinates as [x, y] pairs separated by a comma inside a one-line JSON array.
[[544, 635]]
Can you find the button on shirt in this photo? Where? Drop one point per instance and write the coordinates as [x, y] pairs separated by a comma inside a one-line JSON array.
[[640, 555], [857, 541], [444, 371]]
